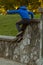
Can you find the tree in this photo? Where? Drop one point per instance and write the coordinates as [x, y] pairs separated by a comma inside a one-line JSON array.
[[10, 4]]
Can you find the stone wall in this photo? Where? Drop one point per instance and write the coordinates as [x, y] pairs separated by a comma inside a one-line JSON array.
[[28, 51]]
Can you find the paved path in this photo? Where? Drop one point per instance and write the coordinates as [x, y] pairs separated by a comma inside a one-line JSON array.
[[7, 62]]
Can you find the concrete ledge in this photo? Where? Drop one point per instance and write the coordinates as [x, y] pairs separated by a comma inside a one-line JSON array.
[[2, 37]]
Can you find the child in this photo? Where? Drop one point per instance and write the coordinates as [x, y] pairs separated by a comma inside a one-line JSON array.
[[25, 15]]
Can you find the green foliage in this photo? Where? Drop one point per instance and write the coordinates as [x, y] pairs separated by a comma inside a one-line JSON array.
[[10, 4], [34, 4]]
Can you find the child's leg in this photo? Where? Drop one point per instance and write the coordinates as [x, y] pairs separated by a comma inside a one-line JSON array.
[[24, 24], [24, 27], [18, 25]]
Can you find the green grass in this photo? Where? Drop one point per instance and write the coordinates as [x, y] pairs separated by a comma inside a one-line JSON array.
[[8, 24], [37, 16]]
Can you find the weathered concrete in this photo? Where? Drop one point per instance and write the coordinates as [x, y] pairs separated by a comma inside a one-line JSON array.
[[28, 51], [7, 37], [41, 17]]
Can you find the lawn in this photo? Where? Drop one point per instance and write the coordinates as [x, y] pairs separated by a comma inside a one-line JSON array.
[[8, 24]]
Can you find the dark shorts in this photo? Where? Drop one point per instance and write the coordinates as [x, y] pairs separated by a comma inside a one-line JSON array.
[[22, 24]]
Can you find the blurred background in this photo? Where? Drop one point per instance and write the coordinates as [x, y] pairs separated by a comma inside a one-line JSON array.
[[32, 5], [7, 22]]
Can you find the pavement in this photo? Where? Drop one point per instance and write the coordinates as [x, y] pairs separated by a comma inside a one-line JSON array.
[[8, 62]]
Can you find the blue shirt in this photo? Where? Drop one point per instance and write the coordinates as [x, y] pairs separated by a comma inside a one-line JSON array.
[[23, 12]]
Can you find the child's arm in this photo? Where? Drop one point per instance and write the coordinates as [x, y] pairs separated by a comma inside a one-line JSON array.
[[32, 14], [12, 11]]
